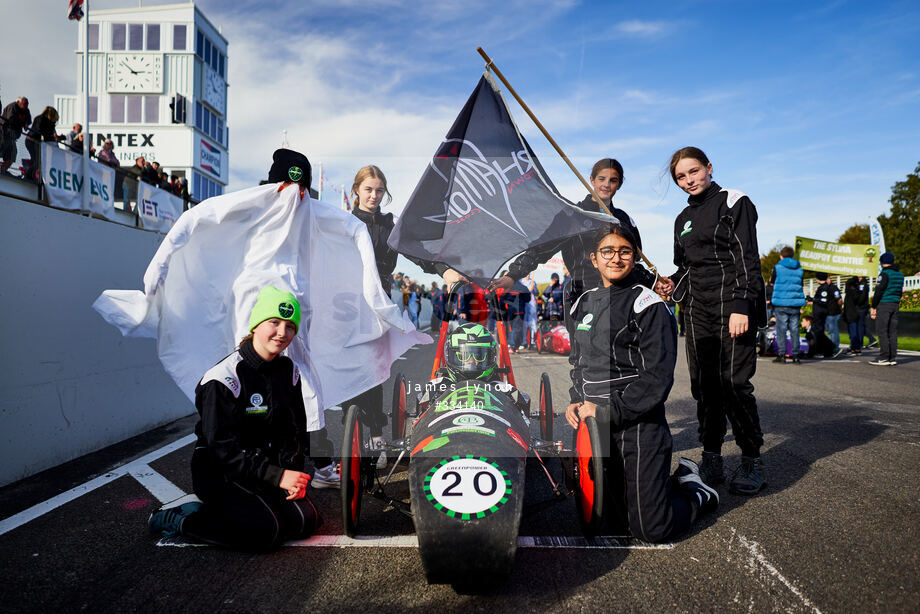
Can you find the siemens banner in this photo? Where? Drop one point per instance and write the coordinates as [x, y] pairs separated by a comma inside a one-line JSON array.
[[62, 174], [157, 208]]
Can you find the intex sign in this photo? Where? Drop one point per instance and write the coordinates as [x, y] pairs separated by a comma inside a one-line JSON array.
[[209, 158]]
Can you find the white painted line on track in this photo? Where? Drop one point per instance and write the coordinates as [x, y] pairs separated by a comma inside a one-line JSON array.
[[161, 488], [608, 542], [756, 560], [39, 509]]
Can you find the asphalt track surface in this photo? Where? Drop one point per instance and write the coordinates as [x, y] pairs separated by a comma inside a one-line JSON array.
[[835, 531]]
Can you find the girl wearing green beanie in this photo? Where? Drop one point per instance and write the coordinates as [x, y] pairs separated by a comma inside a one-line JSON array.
[[251, 464]]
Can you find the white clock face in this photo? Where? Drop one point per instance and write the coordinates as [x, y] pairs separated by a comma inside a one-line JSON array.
[[135, 73]]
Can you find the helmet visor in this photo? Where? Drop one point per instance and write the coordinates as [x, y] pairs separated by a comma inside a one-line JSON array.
[[472, 356]]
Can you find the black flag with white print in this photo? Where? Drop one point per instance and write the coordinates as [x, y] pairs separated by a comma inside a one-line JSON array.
[[484, 197]]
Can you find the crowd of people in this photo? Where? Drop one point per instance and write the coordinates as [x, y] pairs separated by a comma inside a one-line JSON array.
[[16, 121], [624, 349], [821, 328]]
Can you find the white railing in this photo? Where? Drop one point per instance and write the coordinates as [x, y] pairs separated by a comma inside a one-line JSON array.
[[810, 285]]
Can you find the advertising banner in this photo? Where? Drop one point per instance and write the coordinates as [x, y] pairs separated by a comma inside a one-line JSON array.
[[157, 208], [62, 174], [837, 258]]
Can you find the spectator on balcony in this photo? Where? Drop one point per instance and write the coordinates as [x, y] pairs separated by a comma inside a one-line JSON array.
[[43, 131], [15, 118], [151, 173], [72, 135], [129, 182], [183, 190], [107, 154], [77, 145]]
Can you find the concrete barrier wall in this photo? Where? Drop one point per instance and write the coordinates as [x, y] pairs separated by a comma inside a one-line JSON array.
[[70, 383]]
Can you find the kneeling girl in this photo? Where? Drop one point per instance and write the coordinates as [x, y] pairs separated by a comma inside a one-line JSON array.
[[251, 466], [623, 355]]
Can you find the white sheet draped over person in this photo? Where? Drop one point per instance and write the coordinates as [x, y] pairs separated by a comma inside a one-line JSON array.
[[203, 281]]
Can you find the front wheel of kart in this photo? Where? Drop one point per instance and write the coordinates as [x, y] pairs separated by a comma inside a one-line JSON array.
[[546, 409], [398, 412], [352, 471], [540, 341], [589, 477]]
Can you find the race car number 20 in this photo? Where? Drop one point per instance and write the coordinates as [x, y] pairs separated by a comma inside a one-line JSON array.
[[467, 487]]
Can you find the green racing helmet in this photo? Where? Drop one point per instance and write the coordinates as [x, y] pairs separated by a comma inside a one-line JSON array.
[[470, 352]]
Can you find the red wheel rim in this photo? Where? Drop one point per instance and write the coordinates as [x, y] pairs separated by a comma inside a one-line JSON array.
[[402, 408], [583, 456], [354, 476]]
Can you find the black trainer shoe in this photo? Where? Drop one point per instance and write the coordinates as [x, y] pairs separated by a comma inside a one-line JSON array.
[[685, 467], [796, 361], [712, 469], [748, 478], [780, 359], [168, 521], [706, 495]]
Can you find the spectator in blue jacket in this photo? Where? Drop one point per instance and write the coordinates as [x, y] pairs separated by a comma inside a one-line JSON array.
[[788, 300]]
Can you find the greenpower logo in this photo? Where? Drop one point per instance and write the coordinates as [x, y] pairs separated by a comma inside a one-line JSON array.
[[285, 310], [687, 228], [295, 173]]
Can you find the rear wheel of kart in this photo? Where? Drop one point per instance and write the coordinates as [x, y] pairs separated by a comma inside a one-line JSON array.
[[540, 340], [546, 409], [398, 413], [589, 477], [352, 469]]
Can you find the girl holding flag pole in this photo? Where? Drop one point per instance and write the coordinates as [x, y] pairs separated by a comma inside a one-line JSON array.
[[718, 281]]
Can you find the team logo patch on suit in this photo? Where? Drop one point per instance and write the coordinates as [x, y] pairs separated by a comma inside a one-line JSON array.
[[585, 322], [687, 228], [256, 405], [645, 298]]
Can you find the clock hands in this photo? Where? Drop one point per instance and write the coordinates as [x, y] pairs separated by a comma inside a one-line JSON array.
[[125, 64]]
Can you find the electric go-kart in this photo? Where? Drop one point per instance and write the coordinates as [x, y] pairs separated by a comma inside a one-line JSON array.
[[467, 452], [767, 345], [553, 336]]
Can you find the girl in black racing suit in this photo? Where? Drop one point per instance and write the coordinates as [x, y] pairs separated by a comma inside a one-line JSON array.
[[623, 356], [251, 466], [719, 283]]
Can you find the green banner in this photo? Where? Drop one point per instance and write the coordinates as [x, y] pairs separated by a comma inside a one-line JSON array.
[[837, 258]]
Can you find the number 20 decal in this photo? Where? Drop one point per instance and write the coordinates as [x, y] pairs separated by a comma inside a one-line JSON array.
[[467, 487]]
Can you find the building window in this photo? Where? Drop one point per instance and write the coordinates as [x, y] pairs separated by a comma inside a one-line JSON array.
[[221, 66], [118, 36], [135, 36], [151, 109], [117, 112], [209, 123], [135, 108], [93, 109], [93, 36], [179, 33], [199, 43], [153, 37], [204, 187]]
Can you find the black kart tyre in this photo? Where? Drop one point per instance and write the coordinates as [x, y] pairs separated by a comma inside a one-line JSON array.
[[352, 471], [589, 477], [398, 412]]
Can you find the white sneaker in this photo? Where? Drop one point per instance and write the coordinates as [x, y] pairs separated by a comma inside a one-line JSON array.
[[327, 477], [379, 443]]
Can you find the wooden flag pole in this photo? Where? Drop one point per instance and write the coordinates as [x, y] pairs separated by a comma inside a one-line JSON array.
[[491, 66]]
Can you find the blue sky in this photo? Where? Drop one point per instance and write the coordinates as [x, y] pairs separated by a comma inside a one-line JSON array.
[[809, 108]]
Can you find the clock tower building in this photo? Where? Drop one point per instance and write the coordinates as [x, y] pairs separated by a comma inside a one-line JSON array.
[[158, 89]]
